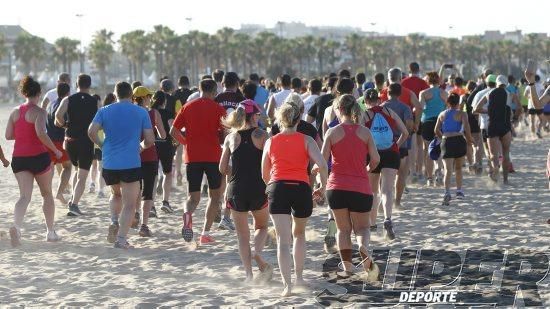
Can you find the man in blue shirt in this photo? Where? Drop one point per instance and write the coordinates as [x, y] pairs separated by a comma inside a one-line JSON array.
[[124, 124], [261, 93]]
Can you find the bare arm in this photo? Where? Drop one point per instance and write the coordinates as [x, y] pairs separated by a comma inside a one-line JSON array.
[[310, 119], [438, 124], [45, 102], [317, 158], [93, 131], [266, 162], [402, 128], [40, 128], [159, 125], [478, 107], [177, 135], [327, 145], [417, 108], [148, 138], [61, 112], [10, 127], [466, 125], [373, 152], [226, 153]]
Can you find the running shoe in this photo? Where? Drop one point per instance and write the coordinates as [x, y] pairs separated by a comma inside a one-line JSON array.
[[373, 228], [179, 180], [430, 182], [125, 245], [153, 212], [373, 272], [52, 237], [539, 135], [459, 195], [511, 168], [406, 190], [388, 230], [265, 275], [100, 194], [15, 237], [166, 207], [226, 224], [92, 188], [159, 188], [144, 231], [187, 229], [113, 231], [446, 199], [206, 240], [74, 211], [135, 221], [204, 190]]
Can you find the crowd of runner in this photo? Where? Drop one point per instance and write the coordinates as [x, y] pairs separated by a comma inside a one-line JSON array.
[[269, 149]]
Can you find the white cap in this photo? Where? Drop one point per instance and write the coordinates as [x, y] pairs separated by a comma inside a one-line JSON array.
[[502, 80]]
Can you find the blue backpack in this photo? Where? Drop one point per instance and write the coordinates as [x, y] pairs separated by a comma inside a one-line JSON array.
[[381, 130]]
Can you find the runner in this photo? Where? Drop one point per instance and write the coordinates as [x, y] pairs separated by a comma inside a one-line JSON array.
[[246, 189], [57, 135], [499, 126], [405, 114], [51, 96], [384, 125], [183, 92], [201, 119], [262, 95], [228, 99], [218, 75], [535, 114], [458, 86], [124, 125], [316, 112], [490, 82], [94, 170], [314, 88], [170, 106], [284, 163], [109, 99], [451, 128], [79, 109], [360, 79], [433, 103], [277, 99], [31, 160], [149, 161], [348, 190]]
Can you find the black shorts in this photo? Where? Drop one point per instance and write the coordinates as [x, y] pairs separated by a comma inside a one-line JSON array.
[[474, 123], [453, 147], [428, 127], [149, 172], [165, 152], [353, 201], [36, 165], [403, 153], [115, 177], [98, 154], [246, 204], [498, 131], [388, 159], [290, 197], [196, 170], [533, 111], [81, 153], [525, 109]]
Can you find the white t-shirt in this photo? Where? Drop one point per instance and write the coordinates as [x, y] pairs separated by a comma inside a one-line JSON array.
[[308, 103], [483, 118], [51, 95], [280, 97], [193, 96], [540, 90]]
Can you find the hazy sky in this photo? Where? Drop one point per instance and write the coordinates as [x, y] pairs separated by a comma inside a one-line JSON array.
[[56, 18]]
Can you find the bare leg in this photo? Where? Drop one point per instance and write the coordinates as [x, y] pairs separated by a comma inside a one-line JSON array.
[[429, 162], [420, 154], [261, 221], [100, 179], [343, 237], [44, 182], [448, 166], [129, 192], [243, 239], [401, 180], [283, 226], [299, 248], [79, 185], [362, 234], [374, 180], [506, 141], [64, 181], [212, 208], [167, 186], [458, 172], [25, 180], [494, 151], [387, 186]]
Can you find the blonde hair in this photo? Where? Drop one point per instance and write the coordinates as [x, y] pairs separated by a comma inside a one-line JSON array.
[[296, 99], [349, 107], [288, 115], [236, 120]]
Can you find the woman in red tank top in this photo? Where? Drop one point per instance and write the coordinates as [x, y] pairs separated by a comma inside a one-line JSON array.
[[348, 190], [31, 160], [284, 170], [149, 162]]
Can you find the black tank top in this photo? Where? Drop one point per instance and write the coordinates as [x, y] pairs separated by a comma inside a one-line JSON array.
[[246, 180], [498, 111], [80, 113]]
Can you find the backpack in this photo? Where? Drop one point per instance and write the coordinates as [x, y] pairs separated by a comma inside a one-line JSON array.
[[434, 149], [381, 130]]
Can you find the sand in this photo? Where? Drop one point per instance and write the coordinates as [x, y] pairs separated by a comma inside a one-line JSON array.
[[84, 270]]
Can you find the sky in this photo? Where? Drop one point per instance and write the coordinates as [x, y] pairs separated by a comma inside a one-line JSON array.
[[55, 18]]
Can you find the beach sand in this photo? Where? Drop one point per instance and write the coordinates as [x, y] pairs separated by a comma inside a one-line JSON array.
[[84, 270]]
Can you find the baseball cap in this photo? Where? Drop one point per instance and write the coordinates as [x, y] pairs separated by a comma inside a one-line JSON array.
[[491, 78], [502, 80], [141, 91], [249, 106]]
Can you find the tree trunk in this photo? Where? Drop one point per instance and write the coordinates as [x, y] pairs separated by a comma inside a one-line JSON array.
[[103, 75], [130, 69]]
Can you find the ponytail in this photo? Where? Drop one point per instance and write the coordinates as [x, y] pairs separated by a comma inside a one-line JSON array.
[[236, 119]]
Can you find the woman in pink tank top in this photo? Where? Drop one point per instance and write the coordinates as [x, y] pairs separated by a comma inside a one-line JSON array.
[[284, 169], [349, 192], [31, 160]]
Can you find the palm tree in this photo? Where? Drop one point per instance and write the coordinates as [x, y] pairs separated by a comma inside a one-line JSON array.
[[29, 49], [322, 53], [332, 53], [135, 46], [225, 35], [352, 44], [3, 48], [101, 52], [159, 39], [414, 41], [66, 52]]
